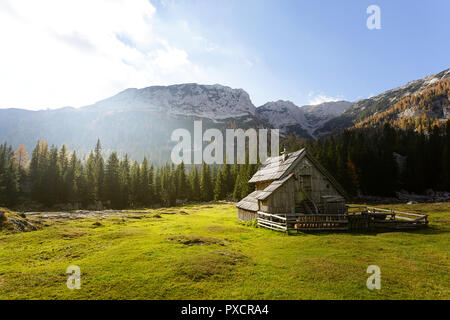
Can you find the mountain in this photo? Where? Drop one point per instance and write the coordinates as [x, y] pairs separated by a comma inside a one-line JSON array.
[[135, 121], [215, 102], [140, 121], [318, 115], [285, 116], [419, 112], [368, 107], [301, 121]]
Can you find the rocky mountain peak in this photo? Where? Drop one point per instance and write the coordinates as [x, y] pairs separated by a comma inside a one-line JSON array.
[[189, 99]]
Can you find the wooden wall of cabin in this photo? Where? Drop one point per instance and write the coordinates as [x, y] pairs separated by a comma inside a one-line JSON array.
[[320, 185], [281, 200], [246, 215]]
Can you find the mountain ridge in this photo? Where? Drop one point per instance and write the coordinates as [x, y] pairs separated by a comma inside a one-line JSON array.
[[367, 107], [140, 121]]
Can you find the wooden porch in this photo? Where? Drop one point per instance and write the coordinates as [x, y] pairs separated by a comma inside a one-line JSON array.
[[355, 219]]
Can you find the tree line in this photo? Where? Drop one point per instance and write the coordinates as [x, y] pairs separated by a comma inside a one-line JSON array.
[[57, 176], [383, 159], [367, 161]]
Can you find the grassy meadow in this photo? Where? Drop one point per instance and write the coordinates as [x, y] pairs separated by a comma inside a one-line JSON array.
[[202, 252]]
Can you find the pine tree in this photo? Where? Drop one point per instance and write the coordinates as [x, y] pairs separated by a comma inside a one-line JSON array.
[[11, 183], [144, 188], [38, 165], [9, 187], [182, 186], [71, 178], [112, 181], [206, 191], [228, 179], [157, 187], [90, 179], [151, 184], [64, 184], [51, 179], [99, 171], [220, 187], [195, 184], [238, 185], [135, 180], [125, 182]]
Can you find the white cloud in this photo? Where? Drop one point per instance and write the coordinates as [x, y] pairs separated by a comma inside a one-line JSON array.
[[319, 98], [75, 52]]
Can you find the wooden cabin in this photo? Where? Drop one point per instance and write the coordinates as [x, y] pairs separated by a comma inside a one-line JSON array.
[[295, 192], [292, 183]]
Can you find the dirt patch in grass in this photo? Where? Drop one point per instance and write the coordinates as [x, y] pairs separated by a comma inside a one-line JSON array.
[[72, 234], [194, 239], [182, 212], [227, 229], [210, 264]]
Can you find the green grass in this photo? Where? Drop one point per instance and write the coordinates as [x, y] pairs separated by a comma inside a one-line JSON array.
[[207, 254]]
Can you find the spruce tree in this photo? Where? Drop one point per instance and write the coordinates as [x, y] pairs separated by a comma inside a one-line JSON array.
[[228, 179], [99, 171], [125, 182], [90, 180], [182, 186], [144, 188], [195, 184], [112, 181], [220, 186], [206, 191], [135, 180]]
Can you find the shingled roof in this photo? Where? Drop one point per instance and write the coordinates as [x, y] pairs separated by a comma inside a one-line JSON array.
[[250, 202], [278, 171], [274, 168], [272, 187]]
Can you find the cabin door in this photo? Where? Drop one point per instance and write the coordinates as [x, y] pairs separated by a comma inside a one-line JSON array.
[[306, 184], [300, 196]]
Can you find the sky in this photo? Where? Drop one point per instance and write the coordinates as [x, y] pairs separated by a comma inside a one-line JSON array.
[[57, 53]]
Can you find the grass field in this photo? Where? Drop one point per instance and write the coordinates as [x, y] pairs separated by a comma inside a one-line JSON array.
[[202, 252]]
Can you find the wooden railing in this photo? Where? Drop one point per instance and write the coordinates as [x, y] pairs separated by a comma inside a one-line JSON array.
[[299, 221], [357, 218], [381, 216], [272, 221]]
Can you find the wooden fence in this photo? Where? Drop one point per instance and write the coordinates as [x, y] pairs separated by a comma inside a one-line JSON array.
[[300, 221], [355, 219], [388, 218]]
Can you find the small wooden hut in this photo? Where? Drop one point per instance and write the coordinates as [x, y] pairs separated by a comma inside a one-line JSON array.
[[292, 183], [295, 192]]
